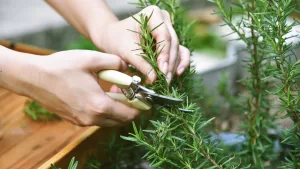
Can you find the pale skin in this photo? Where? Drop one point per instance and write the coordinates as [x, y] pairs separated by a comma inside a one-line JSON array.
[[66, 82]]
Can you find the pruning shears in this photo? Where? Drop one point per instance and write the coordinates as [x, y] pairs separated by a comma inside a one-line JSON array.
[[134, 94]]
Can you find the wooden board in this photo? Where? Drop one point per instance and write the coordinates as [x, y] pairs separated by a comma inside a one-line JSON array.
[[26, 143]]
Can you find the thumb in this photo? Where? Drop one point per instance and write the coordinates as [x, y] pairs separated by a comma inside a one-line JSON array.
[[100, 61], [134, 58]]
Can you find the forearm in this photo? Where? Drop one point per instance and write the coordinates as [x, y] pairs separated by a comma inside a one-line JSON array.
[[13, 70], [84, 15]]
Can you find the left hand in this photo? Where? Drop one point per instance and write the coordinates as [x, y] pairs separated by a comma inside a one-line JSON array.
[[115, 38]]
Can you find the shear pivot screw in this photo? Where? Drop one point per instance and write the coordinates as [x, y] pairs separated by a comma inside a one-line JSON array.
[[136, 79]]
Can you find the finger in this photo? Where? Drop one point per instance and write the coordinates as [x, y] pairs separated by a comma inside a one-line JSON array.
[[99, 61], [120, 111], [107, 122], [142, 65], [184, 54], [115, 89], [174, 47], [162, 36], [69, 119], [94, 120], [178, 60], [110, 108]]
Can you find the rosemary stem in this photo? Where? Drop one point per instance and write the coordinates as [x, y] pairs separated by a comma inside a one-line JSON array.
[[195, 137]]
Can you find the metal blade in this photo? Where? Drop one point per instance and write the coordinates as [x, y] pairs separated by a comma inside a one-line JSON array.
[[165, 100], [162, 100], [152, 96]]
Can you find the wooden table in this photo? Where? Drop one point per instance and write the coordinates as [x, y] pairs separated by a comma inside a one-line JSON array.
[[26, 143]]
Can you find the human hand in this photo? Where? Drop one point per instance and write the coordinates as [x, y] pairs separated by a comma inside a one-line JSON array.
[[67, 84], [116, 39]]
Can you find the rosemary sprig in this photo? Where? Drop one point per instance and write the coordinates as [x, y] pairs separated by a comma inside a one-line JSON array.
[[270, 58], [258, 119], [287, 70], [36, 112], [72, 165], [175, 139]]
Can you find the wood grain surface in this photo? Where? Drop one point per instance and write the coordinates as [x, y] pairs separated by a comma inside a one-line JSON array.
[[26, 143]]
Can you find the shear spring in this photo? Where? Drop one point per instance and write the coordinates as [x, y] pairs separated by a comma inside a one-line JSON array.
[[129, 93], [133, 88]]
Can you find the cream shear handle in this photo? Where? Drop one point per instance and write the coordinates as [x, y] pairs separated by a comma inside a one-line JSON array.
[[136, 103], [120, 79], [123, 81]]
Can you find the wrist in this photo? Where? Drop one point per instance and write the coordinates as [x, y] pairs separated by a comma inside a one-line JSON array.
[[15, 68], [98, 33]]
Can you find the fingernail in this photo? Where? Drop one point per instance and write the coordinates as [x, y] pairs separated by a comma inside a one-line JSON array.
[[152, 76], [124, 66], [180, 71], [169, 76], [165, 68]]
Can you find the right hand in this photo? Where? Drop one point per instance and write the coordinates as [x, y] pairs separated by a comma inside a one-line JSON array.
[[67, 84]]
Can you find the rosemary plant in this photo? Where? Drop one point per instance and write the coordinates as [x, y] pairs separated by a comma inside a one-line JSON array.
[[257, 119], [92, 163], [175, 139], [286, 69], [267, 41], [122, 154], [72, 165]]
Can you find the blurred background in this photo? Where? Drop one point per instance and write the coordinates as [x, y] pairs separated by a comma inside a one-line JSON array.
[[35, 22]]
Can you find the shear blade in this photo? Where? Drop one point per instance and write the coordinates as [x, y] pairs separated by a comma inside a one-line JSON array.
[[165, 100], [186, 110], [161, 99]]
